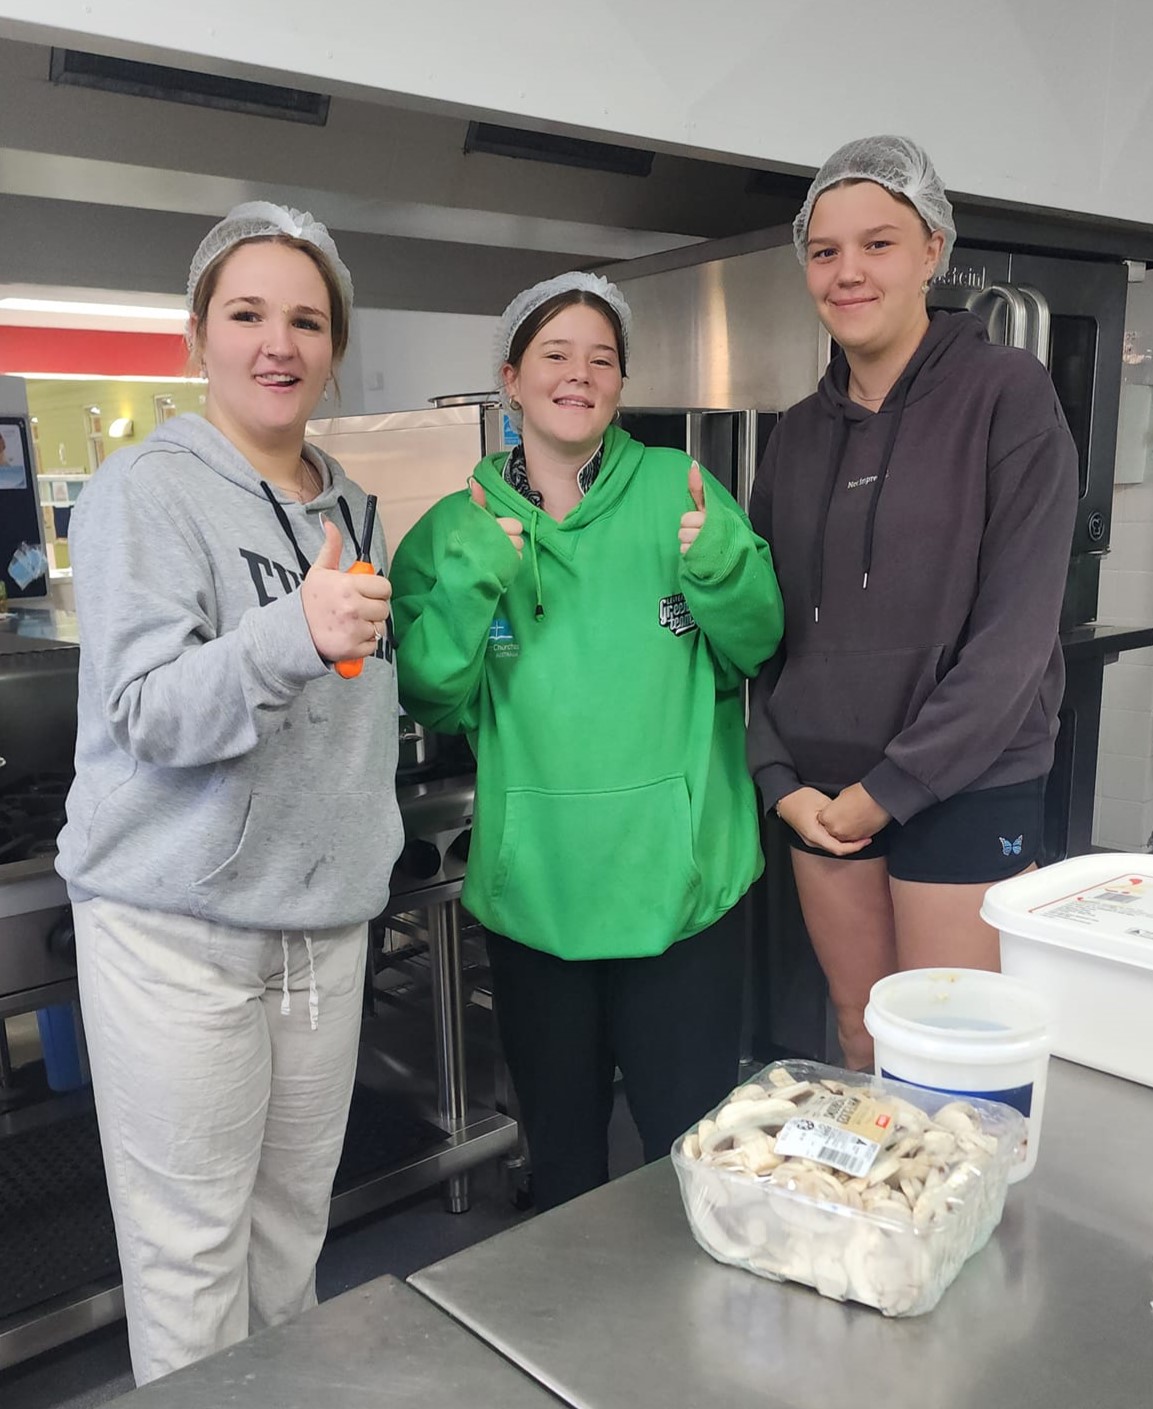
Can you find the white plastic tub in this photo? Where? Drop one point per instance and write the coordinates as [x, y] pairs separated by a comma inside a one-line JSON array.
[[965, 1032], [1081, 933]]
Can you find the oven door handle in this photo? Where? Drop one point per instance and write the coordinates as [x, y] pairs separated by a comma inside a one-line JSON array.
[[1039, 322], [985, 302]]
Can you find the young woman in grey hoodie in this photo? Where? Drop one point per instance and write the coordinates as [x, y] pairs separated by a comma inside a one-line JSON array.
[[920, 509], [233, 822]]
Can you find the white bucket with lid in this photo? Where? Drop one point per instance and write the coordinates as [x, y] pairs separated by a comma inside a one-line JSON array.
[[968, 1032]]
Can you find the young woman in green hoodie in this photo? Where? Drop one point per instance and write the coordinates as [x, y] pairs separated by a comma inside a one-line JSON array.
[[587, 611]]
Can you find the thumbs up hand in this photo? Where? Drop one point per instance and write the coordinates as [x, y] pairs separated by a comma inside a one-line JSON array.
[[513, 527], [345, 611], [694, 520], [328, 559]]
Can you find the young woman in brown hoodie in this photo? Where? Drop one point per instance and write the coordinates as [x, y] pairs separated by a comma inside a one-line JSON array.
[[920, 508]]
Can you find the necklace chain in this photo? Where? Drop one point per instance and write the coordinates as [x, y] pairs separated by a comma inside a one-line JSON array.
[[304, 479]]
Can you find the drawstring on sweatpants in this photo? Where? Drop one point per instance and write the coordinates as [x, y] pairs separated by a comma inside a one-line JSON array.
[[313, 998], [313, 995], [285, 1000]]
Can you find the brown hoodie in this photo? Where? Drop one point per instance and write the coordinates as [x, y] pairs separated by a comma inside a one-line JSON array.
[[922, 554]]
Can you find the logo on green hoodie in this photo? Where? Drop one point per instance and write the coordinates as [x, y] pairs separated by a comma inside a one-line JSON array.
[[501, 641], [675, 614]]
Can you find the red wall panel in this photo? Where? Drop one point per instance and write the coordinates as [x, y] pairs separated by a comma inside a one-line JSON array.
[[92, 353]]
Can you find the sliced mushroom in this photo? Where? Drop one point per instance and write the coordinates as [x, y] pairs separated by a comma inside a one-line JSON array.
[[768, 1112]]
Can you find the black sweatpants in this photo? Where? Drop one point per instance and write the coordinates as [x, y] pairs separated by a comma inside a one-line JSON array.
[[672, 1023]]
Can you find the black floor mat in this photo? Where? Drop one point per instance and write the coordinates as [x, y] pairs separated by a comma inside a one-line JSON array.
[[55, 1222], [379, 1134], [56, 1231]]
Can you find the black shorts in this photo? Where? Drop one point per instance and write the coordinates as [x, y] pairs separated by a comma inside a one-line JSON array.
[[969, 839]]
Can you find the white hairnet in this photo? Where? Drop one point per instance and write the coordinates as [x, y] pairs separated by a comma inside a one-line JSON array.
[[256, 218], [902, 168], [528, 300]]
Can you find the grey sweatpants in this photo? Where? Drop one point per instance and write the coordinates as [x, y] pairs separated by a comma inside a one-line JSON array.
[[221, 1115]]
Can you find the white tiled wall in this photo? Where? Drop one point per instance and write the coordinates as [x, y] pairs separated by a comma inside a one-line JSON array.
[[1124, 814]]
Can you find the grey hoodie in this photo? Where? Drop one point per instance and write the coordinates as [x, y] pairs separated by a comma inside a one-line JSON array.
[[223, 770], [922, 555]]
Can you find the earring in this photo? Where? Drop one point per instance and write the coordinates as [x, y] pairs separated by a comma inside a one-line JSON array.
[[925, 287], [326, 386], [514, 404]]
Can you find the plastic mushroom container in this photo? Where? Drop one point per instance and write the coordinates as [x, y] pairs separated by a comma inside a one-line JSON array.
[[865, 1189]]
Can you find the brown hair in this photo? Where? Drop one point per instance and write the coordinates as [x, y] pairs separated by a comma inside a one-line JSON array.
[[339, 306], [549, 310]]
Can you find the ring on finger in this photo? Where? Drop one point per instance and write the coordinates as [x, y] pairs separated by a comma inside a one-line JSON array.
[[376, 631]]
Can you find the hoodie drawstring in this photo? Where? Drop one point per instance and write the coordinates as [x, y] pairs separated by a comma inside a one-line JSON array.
[[282, 518], [882, 475], [837, 455], [346, 513], [313, 995], [532, 523]]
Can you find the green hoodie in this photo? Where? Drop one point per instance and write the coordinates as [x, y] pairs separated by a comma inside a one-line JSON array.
[[599, 680]]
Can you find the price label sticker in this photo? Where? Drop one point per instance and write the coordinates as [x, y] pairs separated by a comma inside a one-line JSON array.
[[845, 1132]]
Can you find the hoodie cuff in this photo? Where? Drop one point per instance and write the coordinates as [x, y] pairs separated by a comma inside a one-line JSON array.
[[713, 554], [282, 647], [775, 782], [898, 792], [487, 550]]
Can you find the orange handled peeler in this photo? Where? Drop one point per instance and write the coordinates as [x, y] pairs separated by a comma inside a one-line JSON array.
[[350, 669]]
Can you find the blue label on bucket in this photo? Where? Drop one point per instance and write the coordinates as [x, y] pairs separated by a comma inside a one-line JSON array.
[[1019, 1097]]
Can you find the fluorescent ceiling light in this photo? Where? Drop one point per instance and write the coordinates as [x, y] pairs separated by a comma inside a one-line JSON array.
[[102, 310], [101, 377]]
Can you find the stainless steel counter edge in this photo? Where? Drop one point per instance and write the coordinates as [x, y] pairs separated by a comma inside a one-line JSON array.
[[378, 1344]]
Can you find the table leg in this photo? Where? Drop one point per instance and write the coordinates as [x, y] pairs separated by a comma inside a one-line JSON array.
[[12, 1086], [444, 929]]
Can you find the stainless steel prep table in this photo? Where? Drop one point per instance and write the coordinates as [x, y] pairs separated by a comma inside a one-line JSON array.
[[608, 1301], [472, 1133], [379, 1344]]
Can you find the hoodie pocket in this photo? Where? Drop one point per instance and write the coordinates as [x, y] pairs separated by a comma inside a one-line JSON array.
[[836, 712], [596, 874], [292, 857]]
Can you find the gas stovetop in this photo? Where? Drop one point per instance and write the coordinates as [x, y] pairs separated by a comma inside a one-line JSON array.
[[31, 815]]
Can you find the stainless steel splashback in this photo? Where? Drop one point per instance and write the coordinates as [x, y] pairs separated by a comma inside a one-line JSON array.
[[735, 331], [409, 459]]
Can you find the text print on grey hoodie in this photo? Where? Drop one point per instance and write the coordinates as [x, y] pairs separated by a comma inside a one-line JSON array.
[[922, 554], [222, 769]]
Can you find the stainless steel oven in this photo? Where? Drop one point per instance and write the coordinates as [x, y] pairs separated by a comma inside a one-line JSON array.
[[37, 739], [1070, 313]]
